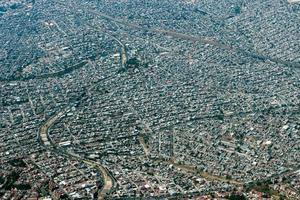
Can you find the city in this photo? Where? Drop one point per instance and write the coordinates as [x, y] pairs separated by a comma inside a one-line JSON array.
[[159, 99]]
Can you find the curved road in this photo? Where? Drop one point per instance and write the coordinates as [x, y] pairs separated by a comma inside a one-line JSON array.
[[45, 139]]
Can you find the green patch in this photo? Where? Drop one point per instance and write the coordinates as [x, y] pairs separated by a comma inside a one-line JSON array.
[[11, 179], [236, 197], [17, 163], [132, 63], [264, 187], [2, 179], [23, 186]]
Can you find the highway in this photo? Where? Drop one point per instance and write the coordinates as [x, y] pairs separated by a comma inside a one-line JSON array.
[[203, 40]]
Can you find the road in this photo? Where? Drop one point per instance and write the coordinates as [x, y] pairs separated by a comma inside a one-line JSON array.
[[144, 145], [187, 168], [45, 139], [203, 40], [193, 170], [49, 75], [123, 47]]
